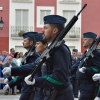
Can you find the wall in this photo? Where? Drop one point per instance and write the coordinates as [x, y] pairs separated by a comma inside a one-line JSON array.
[[71, 6], [43, 3], [91, 17], [4, 33], [18, 5]]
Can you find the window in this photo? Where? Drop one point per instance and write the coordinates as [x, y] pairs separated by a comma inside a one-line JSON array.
[[42, 14], [21, 20], [68, 15]]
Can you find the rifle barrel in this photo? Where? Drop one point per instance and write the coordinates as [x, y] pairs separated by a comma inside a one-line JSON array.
[[81, 9]]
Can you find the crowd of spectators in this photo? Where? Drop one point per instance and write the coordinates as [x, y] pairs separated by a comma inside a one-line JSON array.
[[9, 60]]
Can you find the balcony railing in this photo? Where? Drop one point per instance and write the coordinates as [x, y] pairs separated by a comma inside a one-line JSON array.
[[70, 0], [23, 1], [15, 30], [73, 33]]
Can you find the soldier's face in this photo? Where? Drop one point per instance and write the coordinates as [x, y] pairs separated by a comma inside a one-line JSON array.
[[74, 54], [40, 47], [48, 33], [27, 44], [87, 42]]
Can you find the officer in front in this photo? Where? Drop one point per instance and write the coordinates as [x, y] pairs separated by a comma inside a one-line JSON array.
[[84, 74], [74, 81], [30, 39], [56, 83]]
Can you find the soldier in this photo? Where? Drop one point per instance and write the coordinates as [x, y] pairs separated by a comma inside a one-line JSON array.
[[79, 55], [73, 77], [96, 77], [56, 83], [84, 74], [30, 38]]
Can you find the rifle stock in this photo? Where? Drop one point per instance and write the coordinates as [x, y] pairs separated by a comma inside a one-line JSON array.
[[57, 42]]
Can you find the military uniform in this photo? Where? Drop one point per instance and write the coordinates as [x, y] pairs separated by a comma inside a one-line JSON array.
[[25, 70], [87, 85], [26, 90], [55, 75], [74, 81]]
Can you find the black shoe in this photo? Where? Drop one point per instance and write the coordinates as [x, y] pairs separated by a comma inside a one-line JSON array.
[[6, 93], [13, 93], [76, 96]]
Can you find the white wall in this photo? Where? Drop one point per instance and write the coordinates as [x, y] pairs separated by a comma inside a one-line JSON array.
[[13, 6], [76, 7]]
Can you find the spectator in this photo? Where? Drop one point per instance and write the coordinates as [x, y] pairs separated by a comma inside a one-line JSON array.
[[12, 52], [9, 64], [3, 60], [20, 56], [16, 59]]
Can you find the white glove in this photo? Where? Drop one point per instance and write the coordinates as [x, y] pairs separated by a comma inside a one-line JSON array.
[[28, 82], [96, 77], [6, 70], [82, 70], [6, 87], [12, 77], [97, 98], [6, 81]]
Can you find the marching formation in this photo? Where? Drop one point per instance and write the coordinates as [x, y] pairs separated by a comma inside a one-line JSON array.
[[48, 73]]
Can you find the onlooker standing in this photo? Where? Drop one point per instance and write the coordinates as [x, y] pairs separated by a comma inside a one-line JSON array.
[[12, 52], [16, 59], [20, 56], [9, 64], [3, 60]]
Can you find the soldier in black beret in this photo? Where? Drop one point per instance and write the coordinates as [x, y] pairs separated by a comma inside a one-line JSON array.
[[58, 77], [74, 81], [30, 39], [92, 66]]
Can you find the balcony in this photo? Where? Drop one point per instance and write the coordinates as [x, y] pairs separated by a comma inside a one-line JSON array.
[[22, 1], [74, 33], [69, 2], [17, 31]]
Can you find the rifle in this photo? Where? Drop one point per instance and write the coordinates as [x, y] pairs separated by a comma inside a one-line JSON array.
[[56, 43], [29, 53], [89, 53]]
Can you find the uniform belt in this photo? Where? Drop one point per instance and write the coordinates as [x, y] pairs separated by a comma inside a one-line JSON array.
[[38, 89], [60, 92], [65, 91], [86, 81]]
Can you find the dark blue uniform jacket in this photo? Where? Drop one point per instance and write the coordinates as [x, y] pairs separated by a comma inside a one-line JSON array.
[[58, 67], [21, 74]]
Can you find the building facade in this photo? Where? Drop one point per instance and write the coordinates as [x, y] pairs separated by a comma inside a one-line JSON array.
[[27, 15]]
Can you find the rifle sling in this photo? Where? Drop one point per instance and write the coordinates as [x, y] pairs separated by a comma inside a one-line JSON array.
[[32, 94]]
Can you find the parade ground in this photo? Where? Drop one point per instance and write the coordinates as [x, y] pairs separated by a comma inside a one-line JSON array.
[[11, 97]]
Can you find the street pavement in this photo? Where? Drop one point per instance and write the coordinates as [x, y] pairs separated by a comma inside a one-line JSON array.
[[11, 97]]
